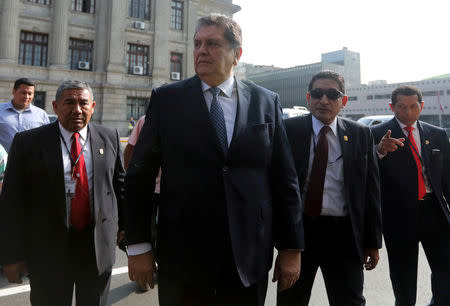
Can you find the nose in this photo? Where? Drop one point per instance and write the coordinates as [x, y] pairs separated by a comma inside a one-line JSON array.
[[324, 99], [77, 108]]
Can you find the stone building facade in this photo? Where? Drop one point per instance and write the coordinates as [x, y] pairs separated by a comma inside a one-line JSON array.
[[123, 48]]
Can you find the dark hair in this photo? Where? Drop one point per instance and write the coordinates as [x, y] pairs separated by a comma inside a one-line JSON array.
[[406, 90], [233, 32], [73, 84], [23, 81], [328, 74]]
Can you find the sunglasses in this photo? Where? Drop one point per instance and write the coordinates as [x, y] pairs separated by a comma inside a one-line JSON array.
[[331, 93]]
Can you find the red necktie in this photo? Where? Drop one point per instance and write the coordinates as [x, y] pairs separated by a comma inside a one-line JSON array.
[[80, 211], [314, 196], [415, 152]]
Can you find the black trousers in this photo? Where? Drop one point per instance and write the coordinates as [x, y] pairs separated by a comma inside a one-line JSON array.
[[226, 290], [433, 231], [54, 286], [330, 245]]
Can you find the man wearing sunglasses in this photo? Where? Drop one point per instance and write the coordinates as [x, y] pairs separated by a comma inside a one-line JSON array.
[[338, 177]]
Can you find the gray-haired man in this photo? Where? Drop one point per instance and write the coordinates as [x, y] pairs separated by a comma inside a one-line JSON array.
[[60, 204]]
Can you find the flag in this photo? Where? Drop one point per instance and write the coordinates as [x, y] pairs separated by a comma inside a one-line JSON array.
[[439, 101]]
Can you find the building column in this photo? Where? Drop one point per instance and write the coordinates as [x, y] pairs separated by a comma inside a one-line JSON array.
[[9, 32], [192, 17], [160, 55], [59, 37], [101, 43], [116, 35]]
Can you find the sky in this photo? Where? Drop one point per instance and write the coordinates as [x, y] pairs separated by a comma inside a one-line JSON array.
[[398, 40]]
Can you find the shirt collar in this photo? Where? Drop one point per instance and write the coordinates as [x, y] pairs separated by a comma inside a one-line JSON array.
[[402, 126], [226, 87], [11, 107], [317, 126], [67, 135]]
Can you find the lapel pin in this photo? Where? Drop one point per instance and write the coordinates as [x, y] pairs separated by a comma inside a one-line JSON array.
[[345, 138], [427, 142], [101, 151]]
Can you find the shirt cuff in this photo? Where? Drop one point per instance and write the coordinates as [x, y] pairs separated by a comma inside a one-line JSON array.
[[139, 248]]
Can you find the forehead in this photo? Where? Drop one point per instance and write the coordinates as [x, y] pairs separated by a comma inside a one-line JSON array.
[[75, 93], [325, 84], [403, 99], [24, 87], [210, 32]]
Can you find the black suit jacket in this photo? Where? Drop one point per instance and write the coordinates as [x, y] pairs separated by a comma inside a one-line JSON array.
[[252, 193], [33, 206], [399, 184], [361, 178]]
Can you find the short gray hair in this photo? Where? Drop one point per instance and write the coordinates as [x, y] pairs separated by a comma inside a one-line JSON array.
[[73, 84], [232, 30]]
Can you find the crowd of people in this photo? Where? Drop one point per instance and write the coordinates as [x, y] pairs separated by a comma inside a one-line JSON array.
[[211, 181]]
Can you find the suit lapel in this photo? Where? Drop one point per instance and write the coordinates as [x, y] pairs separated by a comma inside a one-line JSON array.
[[243, 104], [54, 164], [98, 164], [197, 108], [345, 139], [425, 148]]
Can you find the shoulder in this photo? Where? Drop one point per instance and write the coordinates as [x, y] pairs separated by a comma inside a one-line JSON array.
[[103, 130], [256, 89], [177, 86], [433, 129], [36, 134], [38, 111]]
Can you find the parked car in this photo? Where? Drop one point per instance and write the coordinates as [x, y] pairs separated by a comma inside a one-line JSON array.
[[294, 112], [52, 118], [374, 120]]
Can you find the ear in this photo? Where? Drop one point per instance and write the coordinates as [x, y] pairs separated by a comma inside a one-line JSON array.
[[55, 107], [421, 105], [307, 97], [237, 55], [344, 101], [93, 106], [391, 106]]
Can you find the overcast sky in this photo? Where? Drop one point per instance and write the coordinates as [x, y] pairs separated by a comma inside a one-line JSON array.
[[399, 40]]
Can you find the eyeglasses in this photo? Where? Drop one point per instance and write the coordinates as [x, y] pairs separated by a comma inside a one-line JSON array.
[[331, 93]]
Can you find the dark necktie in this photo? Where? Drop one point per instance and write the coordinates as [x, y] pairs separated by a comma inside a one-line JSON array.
[[314, 195], [413, 146], [80, 210], [218, 120]]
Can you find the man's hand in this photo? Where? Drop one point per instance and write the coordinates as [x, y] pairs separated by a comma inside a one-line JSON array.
[[371, 258], [14, 272], [287, 269], [121, 240], [388, 144], [141, 268]]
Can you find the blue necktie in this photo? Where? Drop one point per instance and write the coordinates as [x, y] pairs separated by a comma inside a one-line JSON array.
[[218, 120]]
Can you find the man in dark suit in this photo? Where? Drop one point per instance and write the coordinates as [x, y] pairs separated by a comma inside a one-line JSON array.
[[60, 204], [338, 174], [414, 161], [228, 187]]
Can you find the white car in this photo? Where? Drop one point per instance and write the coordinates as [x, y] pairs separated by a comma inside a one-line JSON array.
[[374, 120], [294, 112]]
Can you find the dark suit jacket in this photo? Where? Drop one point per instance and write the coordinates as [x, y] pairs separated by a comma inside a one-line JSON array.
[[253, 192], [361, 178], [398, 172], [33, 206]]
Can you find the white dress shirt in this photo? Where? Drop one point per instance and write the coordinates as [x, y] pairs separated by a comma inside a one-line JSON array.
[[416, 135], [85, 144], [228, 100], [333, 201]]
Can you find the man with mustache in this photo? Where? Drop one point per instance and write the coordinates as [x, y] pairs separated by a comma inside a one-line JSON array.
[[60, 207], [338, 175], [228, 191]]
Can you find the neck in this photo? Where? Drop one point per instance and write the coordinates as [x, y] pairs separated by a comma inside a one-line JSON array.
[[16, 107], [215, 81]]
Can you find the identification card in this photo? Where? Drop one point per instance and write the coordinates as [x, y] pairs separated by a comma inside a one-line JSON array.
[[70, 188]]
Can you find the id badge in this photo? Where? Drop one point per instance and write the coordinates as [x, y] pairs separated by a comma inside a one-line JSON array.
[[70, 188]]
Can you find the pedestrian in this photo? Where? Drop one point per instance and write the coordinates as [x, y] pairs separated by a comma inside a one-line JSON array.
[[229, 192], [3, 159], [19, 114], [414, 161], [61, 204], [338, 176]]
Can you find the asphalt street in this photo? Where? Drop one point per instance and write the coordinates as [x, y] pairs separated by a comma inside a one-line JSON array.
[[377, 289]]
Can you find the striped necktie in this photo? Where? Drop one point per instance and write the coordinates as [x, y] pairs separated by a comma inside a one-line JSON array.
[[218, 120]]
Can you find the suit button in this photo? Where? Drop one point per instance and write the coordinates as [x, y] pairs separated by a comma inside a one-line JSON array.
[[225, 169]]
